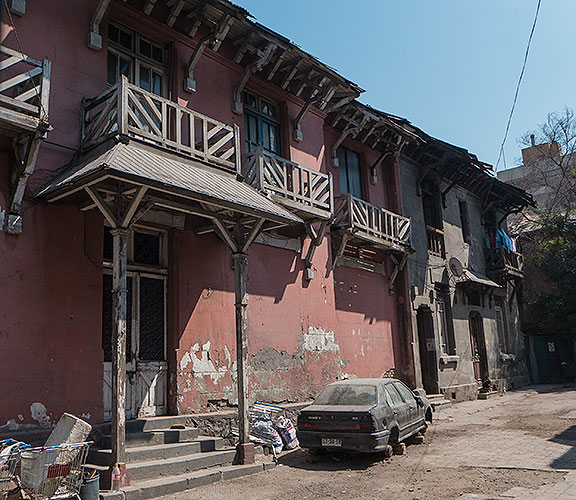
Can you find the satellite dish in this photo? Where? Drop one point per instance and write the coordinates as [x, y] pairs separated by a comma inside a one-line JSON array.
[[456, 267]]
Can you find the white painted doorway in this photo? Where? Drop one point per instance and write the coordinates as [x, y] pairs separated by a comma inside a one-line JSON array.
[[146, 365]]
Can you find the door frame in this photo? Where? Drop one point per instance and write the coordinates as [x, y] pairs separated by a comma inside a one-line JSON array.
[[427, 344], [477, 337]]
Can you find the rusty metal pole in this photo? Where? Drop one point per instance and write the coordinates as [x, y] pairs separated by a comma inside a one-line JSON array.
[[119, 298], [245, 450]]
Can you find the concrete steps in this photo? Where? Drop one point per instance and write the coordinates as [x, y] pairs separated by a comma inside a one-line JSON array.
[[154, 488], [163, 460], [438, 401]]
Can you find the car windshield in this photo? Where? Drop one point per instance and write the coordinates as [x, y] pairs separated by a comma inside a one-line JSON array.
[[347, 395]]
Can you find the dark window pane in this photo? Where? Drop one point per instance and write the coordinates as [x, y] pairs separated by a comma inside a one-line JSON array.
[[156, 85], [108, 318], [349, 172], [157, 53], [354, 175], [144, 78], [126, 68], [113, 33], [126, 39], [112, 68], [108, 244], [146, 249], [251, 132], [394, 394], [145, 48], [151, 320]]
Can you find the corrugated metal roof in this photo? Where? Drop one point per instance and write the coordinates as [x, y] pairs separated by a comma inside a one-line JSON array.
[[168, 172]]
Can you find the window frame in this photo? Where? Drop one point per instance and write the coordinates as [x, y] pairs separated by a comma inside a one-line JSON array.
[[445, 323], [137, 59], [464, 220], [262, 118], [344, 167], [502, 326]]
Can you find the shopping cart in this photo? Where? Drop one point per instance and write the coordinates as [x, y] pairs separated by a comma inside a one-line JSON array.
[[55, 471], [9, 460]]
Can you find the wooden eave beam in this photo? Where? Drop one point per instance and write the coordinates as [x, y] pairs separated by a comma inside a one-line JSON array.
[[177, 7]]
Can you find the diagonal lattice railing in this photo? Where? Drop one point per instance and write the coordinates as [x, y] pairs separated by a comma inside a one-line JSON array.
[[127, 109]]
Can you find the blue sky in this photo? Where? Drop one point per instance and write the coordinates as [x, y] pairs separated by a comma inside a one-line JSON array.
[[449, 66]]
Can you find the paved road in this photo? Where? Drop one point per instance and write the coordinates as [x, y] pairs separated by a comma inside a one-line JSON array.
[[521, 444]]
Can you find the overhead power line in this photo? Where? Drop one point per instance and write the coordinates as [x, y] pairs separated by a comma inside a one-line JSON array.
[[501, 154]]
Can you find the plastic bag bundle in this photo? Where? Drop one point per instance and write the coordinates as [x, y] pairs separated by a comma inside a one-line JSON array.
[[287, 432], [264, 432]]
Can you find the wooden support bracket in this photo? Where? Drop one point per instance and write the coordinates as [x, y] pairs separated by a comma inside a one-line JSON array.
[[26, 154], [349, 130], [94, 36], [215, 40], [257, 65], [316, 238], [398, 266], [345, 237], [316, 97]]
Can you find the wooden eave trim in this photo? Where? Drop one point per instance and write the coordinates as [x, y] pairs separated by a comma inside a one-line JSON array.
[[153, 25]]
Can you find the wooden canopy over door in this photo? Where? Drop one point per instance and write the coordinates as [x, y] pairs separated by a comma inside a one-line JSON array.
[[124, 180]]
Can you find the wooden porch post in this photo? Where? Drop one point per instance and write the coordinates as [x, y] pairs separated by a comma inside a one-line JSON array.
[[119, 303], [240, 261]]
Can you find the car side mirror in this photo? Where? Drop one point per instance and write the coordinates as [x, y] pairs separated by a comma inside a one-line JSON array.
[[419, 401]]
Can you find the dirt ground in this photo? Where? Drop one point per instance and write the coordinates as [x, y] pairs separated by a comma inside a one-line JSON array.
[[522, 439]]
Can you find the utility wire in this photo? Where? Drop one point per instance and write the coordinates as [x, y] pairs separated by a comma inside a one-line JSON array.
[[40, 105], [501, 154]]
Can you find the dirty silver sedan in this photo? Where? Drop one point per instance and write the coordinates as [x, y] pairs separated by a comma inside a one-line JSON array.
[[365, 415]]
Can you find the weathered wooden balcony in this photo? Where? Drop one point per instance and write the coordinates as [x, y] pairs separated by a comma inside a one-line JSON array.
[[303, 190], [24, 92], [435, 239], [128, 110], [502, 262], [377, 226]]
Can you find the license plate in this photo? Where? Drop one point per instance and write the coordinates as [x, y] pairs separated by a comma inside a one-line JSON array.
[[331, 442]]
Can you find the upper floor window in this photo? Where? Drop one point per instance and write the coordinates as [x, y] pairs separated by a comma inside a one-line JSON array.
[[349, 172], [139, 59], [262, 123], [464, 220], [445, 325]]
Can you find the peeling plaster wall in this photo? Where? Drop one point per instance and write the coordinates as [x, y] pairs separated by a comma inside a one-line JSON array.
[[301, 335]]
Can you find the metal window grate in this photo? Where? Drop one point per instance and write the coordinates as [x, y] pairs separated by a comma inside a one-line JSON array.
[[151, 319]]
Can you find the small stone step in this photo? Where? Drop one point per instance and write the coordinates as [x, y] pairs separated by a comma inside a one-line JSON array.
[[158, 436], [488, 395], [179, 465], [154, 423], [169, 485], [438, 401], [142, 453]]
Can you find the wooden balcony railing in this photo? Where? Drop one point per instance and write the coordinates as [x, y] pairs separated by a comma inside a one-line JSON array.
[[372, 223], [302, 189], [24, 89], [126, 109], [435, 241], [501, 260]]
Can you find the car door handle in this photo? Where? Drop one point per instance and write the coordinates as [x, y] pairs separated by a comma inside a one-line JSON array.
[[411, 407], [395, 412]]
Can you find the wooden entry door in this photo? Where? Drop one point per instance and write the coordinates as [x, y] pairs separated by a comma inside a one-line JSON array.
[[146, 365], [427, 344], [478, 347]]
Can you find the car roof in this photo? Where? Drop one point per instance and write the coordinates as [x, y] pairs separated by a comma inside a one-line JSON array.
[[365, 381]]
